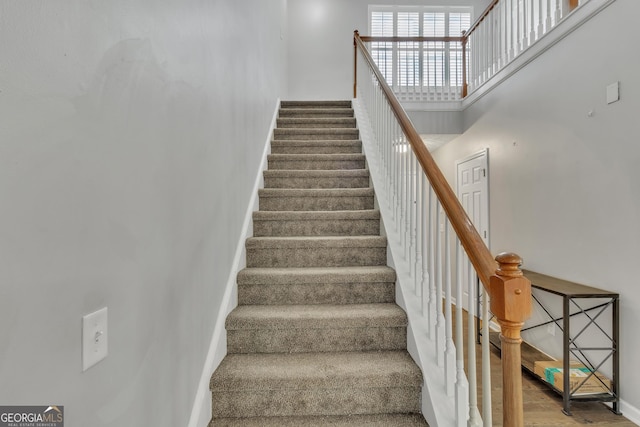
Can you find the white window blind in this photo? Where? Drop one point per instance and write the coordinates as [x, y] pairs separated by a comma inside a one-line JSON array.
[[412, 64]]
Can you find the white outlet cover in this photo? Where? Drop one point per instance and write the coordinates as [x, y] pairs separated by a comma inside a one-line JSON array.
[[613, 92], [94, 338]]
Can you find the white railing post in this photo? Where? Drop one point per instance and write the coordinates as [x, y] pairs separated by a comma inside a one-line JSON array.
[[450, 351], [547, 22], [425, 221], [433, 205], [532, 30], [462, 383], [413, 206], [558, 15], [440, 332], [474, 413], [487, 416], [525, 23]]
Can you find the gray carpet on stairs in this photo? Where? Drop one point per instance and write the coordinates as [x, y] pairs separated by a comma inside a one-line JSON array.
[[317, 339]]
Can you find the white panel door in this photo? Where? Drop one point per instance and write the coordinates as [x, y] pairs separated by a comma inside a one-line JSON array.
[[472, 186]]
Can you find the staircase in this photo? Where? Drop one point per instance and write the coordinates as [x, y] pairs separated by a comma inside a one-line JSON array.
[[317, 338]]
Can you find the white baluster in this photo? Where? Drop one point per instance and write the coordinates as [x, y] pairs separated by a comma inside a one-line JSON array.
[[421, 81], [462, 384], [474, 413], [491, 41], [487, 416], [510, 26], [472, 61], [400, 147], [440, 327], [425, 221], [532, 33], [394, 157], [547, 22], [525, 24], [427, 71], [540, 29], [482, 47], [417, 268], [397, 178], [408, 155], [413, 206], [558, 15], [416, 73], [497, 37], [517, 40], [432, 273], [503, 33], [450, 353]]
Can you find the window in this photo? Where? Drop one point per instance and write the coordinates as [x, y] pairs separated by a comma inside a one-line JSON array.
[[415, 64]]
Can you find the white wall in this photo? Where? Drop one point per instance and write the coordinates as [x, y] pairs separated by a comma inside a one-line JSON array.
[[321, 46], [130, 135], [563, 185]]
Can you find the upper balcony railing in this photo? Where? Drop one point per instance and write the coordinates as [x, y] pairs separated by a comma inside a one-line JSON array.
[[450, 68]]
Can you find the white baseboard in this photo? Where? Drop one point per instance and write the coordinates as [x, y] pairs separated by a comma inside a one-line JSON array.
[[630, 412], [201, 409]]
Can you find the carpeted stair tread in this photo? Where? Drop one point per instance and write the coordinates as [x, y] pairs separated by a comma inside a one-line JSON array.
[[316, 328], [316, 251], [316, 161], [301, 242], [322, 285], [316, 112], [316, 146], [317, 275], [315, 199], [316, 370], [338, 178], [316, 122], [379, 420], [316, 316], [314, 215], [316, 192], [316, 223], [316, 173], [298, 192], [316, 104], [316, 133]]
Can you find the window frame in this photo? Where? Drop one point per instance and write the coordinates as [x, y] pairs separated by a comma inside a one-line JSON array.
[[392, 60]]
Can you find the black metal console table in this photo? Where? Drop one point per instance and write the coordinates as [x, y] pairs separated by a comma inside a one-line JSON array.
[[575, 303], [574, 297]]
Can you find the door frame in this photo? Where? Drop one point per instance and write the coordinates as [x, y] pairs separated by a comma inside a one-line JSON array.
[[482, 153]]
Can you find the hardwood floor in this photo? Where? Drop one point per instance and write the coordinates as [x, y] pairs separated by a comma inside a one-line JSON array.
[[543, 407]]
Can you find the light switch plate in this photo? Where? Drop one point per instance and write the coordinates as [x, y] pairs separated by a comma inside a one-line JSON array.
[[613, 92], [94, 338]]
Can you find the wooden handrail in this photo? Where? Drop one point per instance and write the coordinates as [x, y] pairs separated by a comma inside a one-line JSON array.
[[508, 289], [479, 255], [396, 39], [481, 18]]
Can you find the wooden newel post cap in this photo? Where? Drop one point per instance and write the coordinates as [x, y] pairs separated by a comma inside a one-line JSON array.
[[509, 265], [510, 290]]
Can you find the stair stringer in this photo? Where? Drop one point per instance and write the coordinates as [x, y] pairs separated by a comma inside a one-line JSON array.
[[201, 409], [437, 407]]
